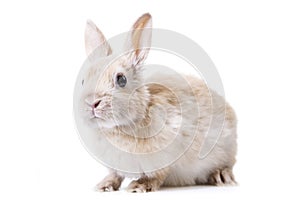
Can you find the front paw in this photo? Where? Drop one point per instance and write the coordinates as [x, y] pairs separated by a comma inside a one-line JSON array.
[[140, 187], [105, 186], [134, 186], [111, 182]]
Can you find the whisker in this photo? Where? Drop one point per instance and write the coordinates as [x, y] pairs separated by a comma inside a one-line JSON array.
[[87, 102]]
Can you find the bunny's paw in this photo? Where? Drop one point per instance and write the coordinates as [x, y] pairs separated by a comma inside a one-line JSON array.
[[222, 177], [140, 186]]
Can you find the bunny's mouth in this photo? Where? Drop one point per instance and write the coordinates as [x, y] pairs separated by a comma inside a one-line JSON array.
[[93, 114]]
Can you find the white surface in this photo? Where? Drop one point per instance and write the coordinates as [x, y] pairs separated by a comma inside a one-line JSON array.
[[255, 46]]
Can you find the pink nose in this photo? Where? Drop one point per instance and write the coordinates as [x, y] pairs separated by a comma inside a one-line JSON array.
[[96, 103]]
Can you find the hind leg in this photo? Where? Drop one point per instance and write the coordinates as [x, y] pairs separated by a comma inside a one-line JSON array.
[[222, 177]]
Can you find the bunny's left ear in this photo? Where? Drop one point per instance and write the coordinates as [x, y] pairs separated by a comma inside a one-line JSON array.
[[139, 39]]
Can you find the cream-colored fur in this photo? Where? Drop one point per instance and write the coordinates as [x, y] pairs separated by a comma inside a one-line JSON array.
[[154, 110]]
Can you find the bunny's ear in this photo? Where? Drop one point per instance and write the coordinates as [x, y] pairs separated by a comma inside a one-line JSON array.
[[139, 39], [95, 39]]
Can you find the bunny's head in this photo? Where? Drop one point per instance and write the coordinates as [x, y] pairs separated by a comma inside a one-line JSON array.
[[112, 92]]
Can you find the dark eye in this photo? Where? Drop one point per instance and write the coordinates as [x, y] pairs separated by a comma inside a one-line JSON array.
[[82, 82], [121, 80]]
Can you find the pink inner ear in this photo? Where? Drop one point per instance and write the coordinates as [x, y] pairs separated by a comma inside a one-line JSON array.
[[140, 39]]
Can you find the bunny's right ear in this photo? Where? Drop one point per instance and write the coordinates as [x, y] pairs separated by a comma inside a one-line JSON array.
[[139, 39], [94, 39]]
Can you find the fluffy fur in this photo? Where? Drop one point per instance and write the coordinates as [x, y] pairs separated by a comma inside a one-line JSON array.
[[131, 117]]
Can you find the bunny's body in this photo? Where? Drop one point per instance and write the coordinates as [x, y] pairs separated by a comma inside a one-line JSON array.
[[150, 111]]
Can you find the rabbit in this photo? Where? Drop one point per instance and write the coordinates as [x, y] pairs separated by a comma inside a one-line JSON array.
[[140, 112]]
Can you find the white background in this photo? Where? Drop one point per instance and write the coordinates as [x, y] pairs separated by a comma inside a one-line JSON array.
[[255, 46]]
